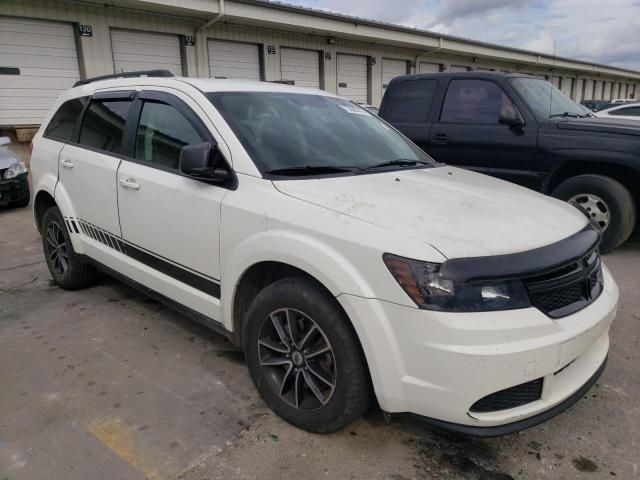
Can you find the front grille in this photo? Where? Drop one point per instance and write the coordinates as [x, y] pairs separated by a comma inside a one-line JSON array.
[[567, 289], [510, 398]]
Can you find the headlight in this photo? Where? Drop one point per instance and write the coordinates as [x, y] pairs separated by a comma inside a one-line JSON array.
[[430, 290], [14, 170]]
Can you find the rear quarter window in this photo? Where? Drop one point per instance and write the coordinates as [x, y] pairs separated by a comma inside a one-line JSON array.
[[409, 101], [64, 120]]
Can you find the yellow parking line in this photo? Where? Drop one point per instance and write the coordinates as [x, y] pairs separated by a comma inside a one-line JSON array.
[[120, 441]]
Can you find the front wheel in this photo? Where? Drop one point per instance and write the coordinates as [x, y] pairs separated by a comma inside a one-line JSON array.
[[304, 356], [608, 203]]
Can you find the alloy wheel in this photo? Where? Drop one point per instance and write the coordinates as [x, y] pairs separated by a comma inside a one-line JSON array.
[[297, 359], [57, 248], [595, 207]]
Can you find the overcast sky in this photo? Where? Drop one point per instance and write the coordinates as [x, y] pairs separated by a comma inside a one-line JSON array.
[[602, 31]]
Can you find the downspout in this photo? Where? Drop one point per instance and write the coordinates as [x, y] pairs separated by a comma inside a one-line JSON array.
[[418, 56], [202, 45]]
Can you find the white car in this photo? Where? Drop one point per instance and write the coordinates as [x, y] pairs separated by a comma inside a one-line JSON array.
[[340, 257], [628, 111]]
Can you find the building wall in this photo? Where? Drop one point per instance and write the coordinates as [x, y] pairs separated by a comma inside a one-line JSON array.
[[96, 56]]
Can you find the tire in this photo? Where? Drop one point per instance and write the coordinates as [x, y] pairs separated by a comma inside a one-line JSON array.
[[615, 199], [344, 365], [66, 268]]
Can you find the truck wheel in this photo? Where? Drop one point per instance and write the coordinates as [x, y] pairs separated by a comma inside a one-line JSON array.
[[607, 201], [304, 356], [66, 268]]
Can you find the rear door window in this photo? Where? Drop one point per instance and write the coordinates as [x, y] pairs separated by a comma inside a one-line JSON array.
[[473, 102], [63, 122], [103, 125], [409, 101]]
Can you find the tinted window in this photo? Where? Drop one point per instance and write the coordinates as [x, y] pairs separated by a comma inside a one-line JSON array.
[[162, 132], [289, 130], [409, 101], [544, 99], [631, 112], [473, 101], [103, 125], [64, 120]]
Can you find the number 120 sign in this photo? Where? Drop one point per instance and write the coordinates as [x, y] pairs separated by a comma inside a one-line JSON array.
[[85, 30]]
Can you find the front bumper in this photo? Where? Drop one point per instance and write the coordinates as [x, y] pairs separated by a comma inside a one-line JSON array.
[[437, 365], [14, 190]]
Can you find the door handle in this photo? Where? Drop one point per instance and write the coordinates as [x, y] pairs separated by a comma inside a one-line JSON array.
[[440, 137], [66, 163], [130, 183]]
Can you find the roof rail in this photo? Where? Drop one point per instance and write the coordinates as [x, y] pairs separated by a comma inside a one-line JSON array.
[[141, 73]]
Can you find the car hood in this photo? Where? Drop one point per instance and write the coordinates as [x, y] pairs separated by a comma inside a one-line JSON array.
[[7, 158], [601, 124], [458, 212]]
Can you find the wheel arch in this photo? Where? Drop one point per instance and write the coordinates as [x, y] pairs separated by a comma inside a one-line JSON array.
[[42, 201], [627, 176]]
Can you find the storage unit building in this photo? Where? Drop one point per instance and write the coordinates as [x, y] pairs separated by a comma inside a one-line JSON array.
[[45, 54], [300, 66], [135, 50]]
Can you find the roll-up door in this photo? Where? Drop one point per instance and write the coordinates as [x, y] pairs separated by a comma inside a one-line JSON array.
[[234, 60], [459, 68], [45, 53], [133, 50], [352, 77], [607, 90], [301, 66], [588, 90], [427, 67], [391, 69]]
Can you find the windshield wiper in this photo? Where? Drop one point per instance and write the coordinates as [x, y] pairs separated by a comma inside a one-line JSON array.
[[400, 162], [310, 170], [567, 114]]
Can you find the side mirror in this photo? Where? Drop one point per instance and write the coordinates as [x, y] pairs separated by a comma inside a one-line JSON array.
[[199, 161], [510, 116]]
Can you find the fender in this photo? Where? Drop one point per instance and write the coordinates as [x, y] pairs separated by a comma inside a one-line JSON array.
[[65, 205], [588, 158], [327, 265]]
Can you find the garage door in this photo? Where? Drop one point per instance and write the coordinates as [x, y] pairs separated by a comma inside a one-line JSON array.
[[45, 53], [588, 90], [567, 85], [427, 67], [301, 66], [459, 68], [145, 51], [390, 69], [234, 60], [607, 91], [352, 77]]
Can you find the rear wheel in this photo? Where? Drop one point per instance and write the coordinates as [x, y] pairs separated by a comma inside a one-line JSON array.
[[304, 356], [608, 203], [66, 268]]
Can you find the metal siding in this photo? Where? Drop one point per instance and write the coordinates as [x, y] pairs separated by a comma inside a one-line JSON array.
[[458, 68], [45, 53], [134, 50], [301, 66], [392, 68], [352, 71], [234, 60]]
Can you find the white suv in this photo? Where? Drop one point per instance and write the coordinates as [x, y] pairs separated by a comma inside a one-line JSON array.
[[344, 260]]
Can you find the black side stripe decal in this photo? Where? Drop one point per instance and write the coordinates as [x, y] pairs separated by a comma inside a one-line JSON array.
[[185, 276], [206, 285]]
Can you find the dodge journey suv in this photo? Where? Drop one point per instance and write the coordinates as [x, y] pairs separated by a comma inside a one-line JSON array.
[[348, 265]]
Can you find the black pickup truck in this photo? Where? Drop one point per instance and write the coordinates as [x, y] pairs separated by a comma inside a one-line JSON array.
[[522, 129]]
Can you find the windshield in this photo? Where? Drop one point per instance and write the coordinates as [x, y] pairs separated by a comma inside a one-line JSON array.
[[307, 134], [545, 100]]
